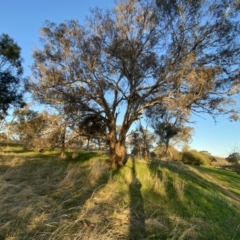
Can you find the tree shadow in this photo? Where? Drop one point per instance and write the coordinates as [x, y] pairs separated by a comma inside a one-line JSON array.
[[137, 228]]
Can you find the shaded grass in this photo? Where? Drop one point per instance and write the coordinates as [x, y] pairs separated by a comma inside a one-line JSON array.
[[43, 197]]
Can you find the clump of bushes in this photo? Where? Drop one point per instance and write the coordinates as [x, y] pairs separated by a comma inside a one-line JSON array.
[[194, 157], [39, 144], [234, 158]]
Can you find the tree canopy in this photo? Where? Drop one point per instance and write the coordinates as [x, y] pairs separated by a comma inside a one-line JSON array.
[[10, 74], [177, 54]]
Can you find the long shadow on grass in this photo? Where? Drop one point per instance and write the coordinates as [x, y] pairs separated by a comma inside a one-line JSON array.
[[137, 216], [84, 191]]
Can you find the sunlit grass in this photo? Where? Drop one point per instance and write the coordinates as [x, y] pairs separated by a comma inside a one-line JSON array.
[[45, 197], [226, 177]]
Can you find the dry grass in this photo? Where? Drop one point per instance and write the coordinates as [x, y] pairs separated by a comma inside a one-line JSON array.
[[220, 162], [51, 199]]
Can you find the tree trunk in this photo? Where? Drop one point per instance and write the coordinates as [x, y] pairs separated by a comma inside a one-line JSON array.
[[168, 151], [117, 145], [117, 154], [63, 154], [63, 143], [146, 154], [99, 144], [63, 146], [88, 141]]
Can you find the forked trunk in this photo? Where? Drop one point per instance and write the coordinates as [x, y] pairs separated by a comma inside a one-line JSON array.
[[117, 145]]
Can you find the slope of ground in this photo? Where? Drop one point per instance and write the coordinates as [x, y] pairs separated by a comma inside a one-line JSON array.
[[43, 197]]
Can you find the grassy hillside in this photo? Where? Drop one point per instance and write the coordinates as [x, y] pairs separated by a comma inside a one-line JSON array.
[[43, 197]]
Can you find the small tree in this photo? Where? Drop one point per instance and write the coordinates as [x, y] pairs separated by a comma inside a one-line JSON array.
[[37, 131], [141, 141], [168, 125]]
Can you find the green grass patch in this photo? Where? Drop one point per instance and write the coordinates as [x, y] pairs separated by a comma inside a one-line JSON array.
[[227, 178]]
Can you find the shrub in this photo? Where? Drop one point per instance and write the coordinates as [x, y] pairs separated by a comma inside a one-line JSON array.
[[39, 144], [236, 168], [208, 155], [234, 157], [3, 137], [160, 151], [195, 158], [176, 155]]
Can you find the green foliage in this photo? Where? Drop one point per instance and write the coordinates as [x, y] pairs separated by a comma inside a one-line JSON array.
[[236, 168], [234, 157], [10, 74], [166, 130], [194, 157]]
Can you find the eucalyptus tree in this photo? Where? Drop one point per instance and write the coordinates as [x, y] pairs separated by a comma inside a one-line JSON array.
[[183, 54], [11, 71]]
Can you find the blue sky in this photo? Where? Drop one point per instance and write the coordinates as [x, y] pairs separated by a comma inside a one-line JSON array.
[[22, 20]]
